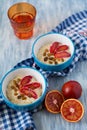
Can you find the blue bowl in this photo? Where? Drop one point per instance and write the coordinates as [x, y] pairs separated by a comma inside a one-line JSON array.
[[50, 38], [23, 71]]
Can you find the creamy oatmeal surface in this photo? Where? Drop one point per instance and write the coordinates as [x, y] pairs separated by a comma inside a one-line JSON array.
[[14, 94], [45, 56]]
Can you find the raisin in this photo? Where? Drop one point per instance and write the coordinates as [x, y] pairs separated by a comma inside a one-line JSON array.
[[59, 59], [44, 54], [51, 58], [24, 98], [15, 94], [15, 83], [12, 87], [50, 62], [46, 50], [56, 62], [49, 54], [54, 59], [22, 95], [62, 60], [19, 96], [45, 58], [18, 80]]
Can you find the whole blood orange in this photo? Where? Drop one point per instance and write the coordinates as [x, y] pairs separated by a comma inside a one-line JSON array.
[[53, 101], [72, 110], [72, 89]]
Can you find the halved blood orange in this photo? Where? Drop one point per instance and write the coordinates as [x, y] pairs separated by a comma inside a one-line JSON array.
[[53, 101], [72, 110]]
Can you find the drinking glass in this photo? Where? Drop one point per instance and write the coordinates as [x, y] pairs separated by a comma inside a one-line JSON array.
[[22, 18]]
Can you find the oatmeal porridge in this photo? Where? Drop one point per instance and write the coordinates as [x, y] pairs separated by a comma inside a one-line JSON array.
[[23, 90], [54, 53]]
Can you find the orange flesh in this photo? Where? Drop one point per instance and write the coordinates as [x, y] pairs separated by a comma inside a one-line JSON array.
[[53, 101], [72, 110]]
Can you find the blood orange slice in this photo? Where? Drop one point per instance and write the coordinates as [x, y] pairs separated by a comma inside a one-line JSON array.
[[28, 92], [62, 48], [62, 54], [72, 110], [53, 47], [53, 101], [33, 85], [25, 80]]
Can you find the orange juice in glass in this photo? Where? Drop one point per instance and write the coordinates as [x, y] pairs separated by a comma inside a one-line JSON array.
[[22, 17]]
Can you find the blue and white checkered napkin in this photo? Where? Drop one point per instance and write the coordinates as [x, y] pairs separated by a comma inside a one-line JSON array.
[[75, 27]]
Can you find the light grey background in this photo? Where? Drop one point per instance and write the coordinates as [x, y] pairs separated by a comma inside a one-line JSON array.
[[12, 50]]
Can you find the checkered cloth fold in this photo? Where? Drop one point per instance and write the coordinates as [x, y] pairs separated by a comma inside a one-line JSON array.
[[75, 27]]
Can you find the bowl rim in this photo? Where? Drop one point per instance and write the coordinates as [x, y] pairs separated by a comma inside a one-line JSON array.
[[50, 65], [23, 105]]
